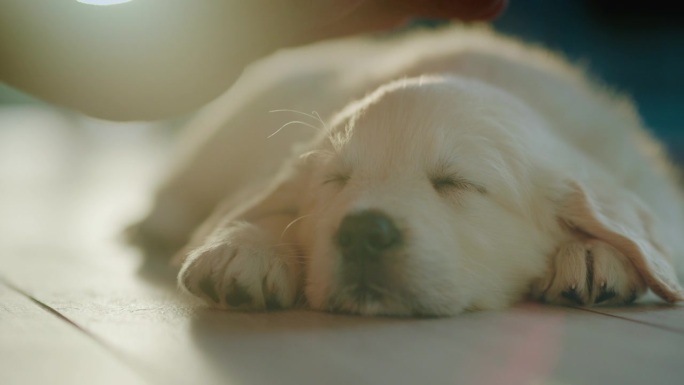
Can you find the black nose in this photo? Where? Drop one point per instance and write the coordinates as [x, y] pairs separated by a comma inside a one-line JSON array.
[[367, 234]]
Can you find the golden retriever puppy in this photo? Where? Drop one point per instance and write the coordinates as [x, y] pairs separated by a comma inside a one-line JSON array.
[[467, 171]]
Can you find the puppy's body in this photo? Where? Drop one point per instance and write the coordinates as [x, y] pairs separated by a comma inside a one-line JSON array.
[[508, 173]]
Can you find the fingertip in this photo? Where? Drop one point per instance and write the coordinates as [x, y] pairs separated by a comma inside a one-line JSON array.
[[464, 10], [495, 9]]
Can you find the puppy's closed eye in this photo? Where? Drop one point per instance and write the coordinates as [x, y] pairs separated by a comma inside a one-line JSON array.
[[448, 183], [339, 179]]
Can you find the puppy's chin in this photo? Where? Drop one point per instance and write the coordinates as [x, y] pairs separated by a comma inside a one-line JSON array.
[[401, 289], [377, 304], [368, 304], [374, 300]]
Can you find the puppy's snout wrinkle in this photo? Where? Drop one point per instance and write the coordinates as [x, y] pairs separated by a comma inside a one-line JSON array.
[[367, 234]]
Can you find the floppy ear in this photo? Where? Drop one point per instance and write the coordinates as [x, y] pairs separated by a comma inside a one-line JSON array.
[[619, 219]]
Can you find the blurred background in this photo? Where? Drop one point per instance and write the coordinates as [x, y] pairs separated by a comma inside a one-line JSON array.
[[636, 47]]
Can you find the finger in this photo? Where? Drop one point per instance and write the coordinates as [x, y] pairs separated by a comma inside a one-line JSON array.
[[378, 15], [467, 10]]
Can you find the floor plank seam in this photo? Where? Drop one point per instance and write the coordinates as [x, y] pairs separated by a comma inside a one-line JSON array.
[[662, 327], [54, 312]]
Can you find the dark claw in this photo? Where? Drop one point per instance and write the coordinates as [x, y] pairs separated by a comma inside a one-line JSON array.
[[632, 297], [572, 295], [271, 301], [605, 295], [589, 261], [237, 296], [273, 304], [207, 287]]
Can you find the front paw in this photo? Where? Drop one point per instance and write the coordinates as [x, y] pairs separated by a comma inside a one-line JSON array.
[[244, 268], [589, 272]]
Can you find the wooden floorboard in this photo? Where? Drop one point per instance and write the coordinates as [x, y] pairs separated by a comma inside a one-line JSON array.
[[65, 198], [653, 313], [37, 347], [175, 343]]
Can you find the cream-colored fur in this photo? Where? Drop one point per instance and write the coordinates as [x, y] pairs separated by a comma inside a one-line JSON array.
[[504, 171]]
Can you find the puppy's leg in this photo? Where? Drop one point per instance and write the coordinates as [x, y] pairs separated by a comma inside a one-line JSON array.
[[589, 272], [246, 265], [234, 157], [249, 259], [229, 146]]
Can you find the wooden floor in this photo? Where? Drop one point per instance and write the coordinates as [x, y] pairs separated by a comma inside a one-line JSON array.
[[78, 307]]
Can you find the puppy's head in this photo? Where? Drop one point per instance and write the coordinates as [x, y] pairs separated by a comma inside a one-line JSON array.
[[421, 201]]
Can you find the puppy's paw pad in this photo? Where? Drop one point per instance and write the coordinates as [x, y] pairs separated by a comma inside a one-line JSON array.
[[589, 273], [244, 270]]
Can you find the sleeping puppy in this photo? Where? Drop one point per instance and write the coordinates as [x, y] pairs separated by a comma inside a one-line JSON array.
[[475, 172]]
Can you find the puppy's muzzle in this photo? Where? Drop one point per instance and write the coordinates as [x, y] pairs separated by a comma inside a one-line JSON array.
[[366, 236], [369, 243]]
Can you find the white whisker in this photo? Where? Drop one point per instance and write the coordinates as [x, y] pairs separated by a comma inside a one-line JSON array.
[[292, 223], [292, 122], [320, 120], [313, 115]]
